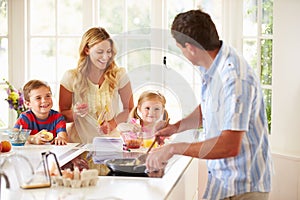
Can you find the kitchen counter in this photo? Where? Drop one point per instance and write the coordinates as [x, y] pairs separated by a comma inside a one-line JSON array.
[[179, 182]]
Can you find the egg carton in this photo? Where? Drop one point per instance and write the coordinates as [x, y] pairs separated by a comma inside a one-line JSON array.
[[86, 178]]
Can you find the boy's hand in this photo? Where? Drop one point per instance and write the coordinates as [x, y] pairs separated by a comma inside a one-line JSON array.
[[59, 141]]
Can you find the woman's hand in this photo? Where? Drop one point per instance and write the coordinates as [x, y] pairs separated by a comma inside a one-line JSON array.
[[81, 109], [107, 126]]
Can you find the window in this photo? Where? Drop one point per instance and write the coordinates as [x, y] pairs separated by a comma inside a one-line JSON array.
[[257, 44], [141, 30], [53, 39], [3, 60]]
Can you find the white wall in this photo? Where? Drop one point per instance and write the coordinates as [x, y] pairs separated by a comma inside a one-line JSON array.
[[285, 136]]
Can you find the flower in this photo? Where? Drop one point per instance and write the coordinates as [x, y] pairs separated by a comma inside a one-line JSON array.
[[15, 99]]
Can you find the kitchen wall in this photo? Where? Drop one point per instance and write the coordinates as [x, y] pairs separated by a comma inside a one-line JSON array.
[[285, 136]]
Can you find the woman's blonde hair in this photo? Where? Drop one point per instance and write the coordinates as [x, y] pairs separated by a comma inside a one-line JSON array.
[[149, 96], [90, 38]]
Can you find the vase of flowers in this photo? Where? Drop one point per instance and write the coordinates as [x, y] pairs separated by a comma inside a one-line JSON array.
[[15, 99]]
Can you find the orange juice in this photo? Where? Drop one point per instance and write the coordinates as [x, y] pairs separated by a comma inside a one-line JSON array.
[[148, 141]]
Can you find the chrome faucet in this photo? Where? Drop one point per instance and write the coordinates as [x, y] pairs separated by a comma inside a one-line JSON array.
[[9, 159], [2, 174]]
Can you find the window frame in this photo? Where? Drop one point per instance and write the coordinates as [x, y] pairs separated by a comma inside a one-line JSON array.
[[19, 36]]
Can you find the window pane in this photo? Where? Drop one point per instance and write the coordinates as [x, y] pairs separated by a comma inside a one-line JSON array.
[[250, 52], [3, 107], [4, 58], [3, 17], [268, 101], [266, 62], [267, 17], [70, 16], [42, 57], [177, 6], [138, 14], [214, 9], [68, 54], [250, 18], [42, 17], [112, 16], [138, 58]]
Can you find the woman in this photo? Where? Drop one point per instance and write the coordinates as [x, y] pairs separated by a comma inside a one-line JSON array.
[[90, 92]]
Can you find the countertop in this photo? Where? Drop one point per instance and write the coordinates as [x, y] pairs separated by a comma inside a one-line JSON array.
[[108, 187]]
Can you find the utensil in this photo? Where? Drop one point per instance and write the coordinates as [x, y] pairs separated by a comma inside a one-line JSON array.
[[19, 132], [140, 160], [102, 116]]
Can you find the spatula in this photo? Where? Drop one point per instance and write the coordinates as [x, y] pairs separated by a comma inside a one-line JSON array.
[[142, 158]]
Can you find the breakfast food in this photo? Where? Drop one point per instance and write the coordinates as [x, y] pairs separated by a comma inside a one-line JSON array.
[[131, 140], [6, 146], [47, 135], [133, 143]]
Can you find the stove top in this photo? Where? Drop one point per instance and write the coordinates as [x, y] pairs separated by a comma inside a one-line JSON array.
[[95, 160], [111, 173]]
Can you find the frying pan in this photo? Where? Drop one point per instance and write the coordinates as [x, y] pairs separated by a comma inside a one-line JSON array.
[[126, 165], [129, 165]]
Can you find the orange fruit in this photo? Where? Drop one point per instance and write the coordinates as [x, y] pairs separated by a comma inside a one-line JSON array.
[[6, 146]]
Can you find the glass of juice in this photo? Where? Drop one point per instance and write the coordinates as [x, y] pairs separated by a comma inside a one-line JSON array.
[[147, 140]]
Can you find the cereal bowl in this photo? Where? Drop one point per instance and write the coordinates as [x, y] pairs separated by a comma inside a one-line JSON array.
[[18, 137]]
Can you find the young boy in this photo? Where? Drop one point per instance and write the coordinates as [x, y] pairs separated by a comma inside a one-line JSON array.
[[41, 119]]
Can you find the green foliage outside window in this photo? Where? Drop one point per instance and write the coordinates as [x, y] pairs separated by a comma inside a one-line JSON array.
[[261, 61]]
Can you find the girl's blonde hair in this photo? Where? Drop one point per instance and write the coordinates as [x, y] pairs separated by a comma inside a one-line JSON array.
[[149, 96], [90, 38]]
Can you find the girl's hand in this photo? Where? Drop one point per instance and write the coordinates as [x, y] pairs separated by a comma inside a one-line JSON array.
[[129, 127]]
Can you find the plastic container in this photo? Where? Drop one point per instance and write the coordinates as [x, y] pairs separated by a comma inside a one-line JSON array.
[[18, 138]]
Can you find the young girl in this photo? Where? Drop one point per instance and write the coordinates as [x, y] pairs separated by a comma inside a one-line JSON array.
[[40, 117], [148, 116]]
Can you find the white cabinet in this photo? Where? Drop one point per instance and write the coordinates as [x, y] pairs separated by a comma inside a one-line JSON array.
[[186, 188]]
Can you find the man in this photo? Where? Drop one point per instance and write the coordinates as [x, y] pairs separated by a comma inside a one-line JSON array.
[[231, 111]]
